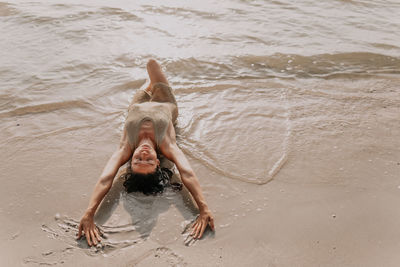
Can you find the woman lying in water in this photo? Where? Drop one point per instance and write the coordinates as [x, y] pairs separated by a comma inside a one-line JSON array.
[[149, 130]]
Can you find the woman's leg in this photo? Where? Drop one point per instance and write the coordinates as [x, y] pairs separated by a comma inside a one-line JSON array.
[[159, 87], [156, 74]]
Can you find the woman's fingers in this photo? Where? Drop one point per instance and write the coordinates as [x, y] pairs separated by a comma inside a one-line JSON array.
[[200, 225], [88, 238], [96, 232], [203, 227], [198, 230], [212, 223], [92, 235], [90, 230], [79, 231], [195, 223], [195, 228]]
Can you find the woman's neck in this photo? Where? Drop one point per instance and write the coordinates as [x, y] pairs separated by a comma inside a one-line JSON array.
[[145, 140], [146, 134]]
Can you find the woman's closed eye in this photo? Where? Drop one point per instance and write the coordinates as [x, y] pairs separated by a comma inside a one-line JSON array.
[[141, 160]]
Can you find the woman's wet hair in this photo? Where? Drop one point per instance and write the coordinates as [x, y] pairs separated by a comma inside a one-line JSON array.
[[151, 183]]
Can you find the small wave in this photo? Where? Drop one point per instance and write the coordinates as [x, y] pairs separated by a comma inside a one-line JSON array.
[[46, 107], [181, 12], [323, 65], [320, 66], [385, 46], [118, 12], [70, 13], [327, 66], [192, 68], [370, 4]]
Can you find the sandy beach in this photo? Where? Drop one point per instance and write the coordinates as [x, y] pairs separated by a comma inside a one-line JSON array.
[[292, 126]]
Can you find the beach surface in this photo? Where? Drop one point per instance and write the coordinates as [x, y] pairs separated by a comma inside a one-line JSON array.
[[289, 115]]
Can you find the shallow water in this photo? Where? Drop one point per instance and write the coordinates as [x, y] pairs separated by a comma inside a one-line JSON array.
[[261, 86]]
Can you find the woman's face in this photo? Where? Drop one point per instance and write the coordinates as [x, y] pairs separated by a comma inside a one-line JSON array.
[[144, 159]]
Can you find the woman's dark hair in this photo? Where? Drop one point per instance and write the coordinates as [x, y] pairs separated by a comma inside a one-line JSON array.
[[151, 183]]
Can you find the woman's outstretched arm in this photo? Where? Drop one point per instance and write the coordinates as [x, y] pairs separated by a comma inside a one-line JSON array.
[[103, 185], [191, 182]]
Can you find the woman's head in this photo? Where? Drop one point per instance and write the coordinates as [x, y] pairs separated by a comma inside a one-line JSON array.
[[144, 173], [144, 159]]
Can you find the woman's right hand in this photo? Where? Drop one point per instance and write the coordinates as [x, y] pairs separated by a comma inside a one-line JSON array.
[[90, 229]]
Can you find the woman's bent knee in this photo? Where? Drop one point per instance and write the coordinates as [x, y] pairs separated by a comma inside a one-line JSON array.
[[155, 72], [152, 64]]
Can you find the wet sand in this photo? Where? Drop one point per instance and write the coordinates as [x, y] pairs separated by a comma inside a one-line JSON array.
[[333, 203], [294, 136]]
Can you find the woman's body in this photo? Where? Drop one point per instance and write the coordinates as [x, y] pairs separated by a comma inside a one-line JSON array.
[[142, 141]]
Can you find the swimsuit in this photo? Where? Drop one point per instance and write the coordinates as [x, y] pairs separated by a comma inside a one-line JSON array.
[[157, 109]]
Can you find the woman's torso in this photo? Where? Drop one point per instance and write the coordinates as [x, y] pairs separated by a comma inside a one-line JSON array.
[[160, 116]]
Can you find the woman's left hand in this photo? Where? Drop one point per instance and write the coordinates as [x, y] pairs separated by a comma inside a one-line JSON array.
[[200, 225]]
